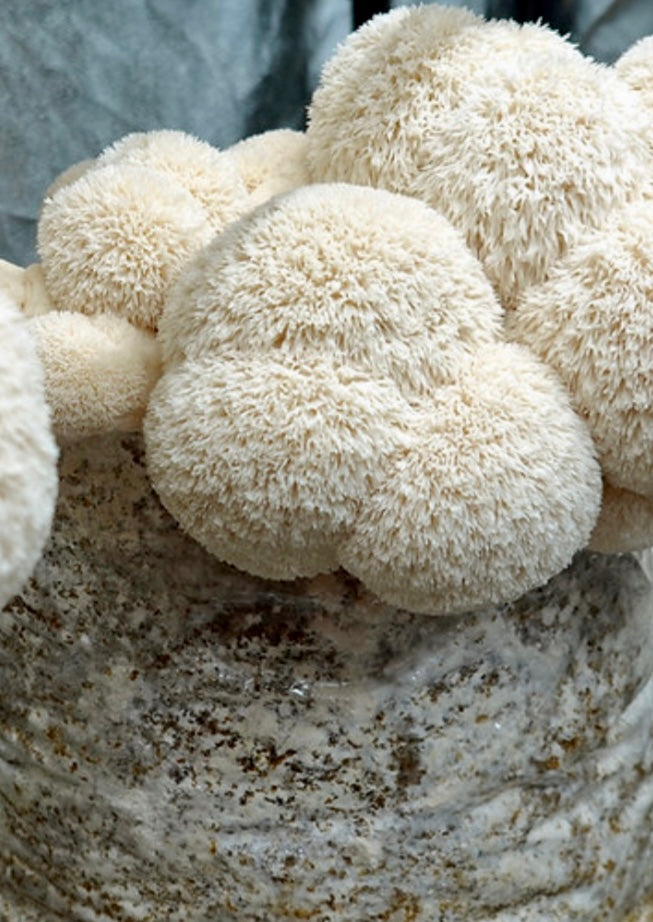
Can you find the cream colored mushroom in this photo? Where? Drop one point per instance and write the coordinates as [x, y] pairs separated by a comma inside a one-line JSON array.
[[208, 174], [386, 284], [28, 455], [115, 239], [508, 130], [495, 494], [336, 391], [271, 163], [99, 372], [592, 323]]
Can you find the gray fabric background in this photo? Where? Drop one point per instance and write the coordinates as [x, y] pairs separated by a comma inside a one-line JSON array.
[[76, 75]]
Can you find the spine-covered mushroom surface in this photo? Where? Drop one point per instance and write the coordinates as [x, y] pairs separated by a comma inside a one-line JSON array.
[[183, 741], [397, 371]]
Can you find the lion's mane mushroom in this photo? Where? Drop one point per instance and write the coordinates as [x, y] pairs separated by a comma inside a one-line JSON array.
[[336, 391], [28, 456], [113, 234], [592, 323], [635, 67], [466, 515], [116, 237], [114, 240], [271, 163], [208, 174], [99, 372], [508, 130], [380, 281]]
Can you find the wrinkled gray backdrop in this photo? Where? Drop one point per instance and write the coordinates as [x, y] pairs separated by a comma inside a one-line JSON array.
[[77, 74]]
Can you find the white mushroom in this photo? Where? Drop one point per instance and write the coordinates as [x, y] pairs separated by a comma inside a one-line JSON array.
[[208, 174], [114, 241], [28, 455], [508, 130], [271, 163], [592, 322], [99, 372], [336, 392]]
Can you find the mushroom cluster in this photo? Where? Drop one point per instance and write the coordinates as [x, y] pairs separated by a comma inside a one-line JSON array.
[[338, 392], [415, 341]]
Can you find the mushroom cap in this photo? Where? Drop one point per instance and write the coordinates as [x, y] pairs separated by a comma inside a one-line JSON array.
[[508, 129], [28, 454], [291, 468], [210, 175], [99, 372], [114, 241], [592, 322], [379, 281], [335, 393], [625, 522], [635, 66], [271, 163]]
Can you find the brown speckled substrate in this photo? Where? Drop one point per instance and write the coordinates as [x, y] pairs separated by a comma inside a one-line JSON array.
[[181, 742], [644, 913]]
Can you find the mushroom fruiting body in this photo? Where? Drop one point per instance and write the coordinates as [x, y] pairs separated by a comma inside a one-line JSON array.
[[28, 455], [508, 130], [376, 280], [592, 323], [336, 391], [114, 237], [271, 163], [208, 174], [114, 240], [99, 372], [429, 398]]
